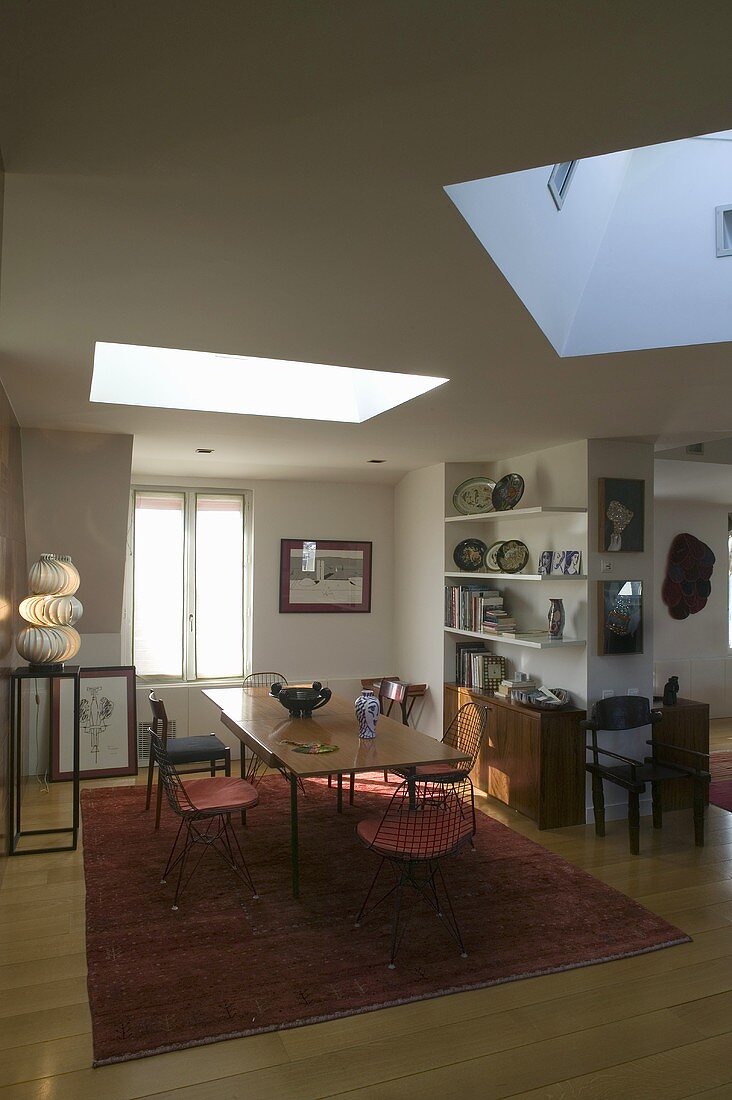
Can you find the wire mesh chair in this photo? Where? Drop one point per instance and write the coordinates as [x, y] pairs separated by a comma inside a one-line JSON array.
[[207, 749], [263, 679], [465, 733], [204, 807], [423, 823]]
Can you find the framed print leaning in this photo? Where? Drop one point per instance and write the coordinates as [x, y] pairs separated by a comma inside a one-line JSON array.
[[107, 724], [621, 513], [325, 576]]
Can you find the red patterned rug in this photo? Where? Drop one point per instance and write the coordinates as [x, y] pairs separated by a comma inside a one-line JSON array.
[[225, 965]]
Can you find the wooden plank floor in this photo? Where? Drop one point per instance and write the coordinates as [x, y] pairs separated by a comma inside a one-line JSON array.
[[657, 1026]]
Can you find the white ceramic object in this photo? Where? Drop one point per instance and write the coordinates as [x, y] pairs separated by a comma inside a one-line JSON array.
[[47, 576], [73, 580], [51, 610]]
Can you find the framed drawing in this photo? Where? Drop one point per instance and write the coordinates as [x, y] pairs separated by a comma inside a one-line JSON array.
[[107, 724], [620, 617], [621, 514], [330, 576]]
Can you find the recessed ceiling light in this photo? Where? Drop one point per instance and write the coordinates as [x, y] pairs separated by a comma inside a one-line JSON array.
[[376, 460], [204, 450], [164, 378]]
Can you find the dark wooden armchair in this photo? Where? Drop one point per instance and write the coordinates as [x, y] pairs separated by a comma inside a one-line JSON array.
[[628, 712]]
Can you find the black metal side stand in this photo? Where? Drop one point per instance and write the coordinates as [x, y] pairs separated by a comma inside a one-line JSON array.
[[17, 832]]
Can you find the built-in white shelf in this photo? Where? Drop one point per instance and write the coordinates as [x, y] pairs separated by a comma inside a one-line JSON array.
[[519, 576], [516, 513], [530, 641]]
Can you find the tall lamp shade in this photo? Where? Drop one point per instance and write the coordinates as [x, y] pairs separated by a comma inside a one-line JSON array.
[[50, 610]]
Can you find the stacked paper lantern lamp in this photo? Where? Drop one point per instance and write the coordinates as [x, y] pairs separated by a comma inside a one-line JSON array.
[[51, 611]]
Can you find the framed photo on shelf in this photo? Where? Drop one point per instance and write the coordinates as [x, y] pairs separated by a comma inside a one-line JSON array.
[[620, 617], [107, 724], [325, 576], [621, 514]]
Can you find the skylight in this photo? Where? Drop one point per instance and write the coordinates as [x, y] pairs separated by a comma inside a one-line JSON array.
[[639, 256], [166, 378]]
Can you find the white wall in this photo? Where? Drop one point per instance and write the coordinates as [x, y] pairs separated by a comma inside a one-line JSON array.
[[419, 549], [695, 649], [545, 254]]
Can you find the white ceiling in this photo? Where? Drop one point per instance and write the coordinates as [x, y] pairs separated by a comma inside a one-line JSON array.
[[267, 179]]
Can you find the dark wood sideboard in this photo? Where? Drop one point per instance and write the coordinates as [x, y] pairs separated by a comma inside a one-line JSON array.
[[533, 760], [685, 724]]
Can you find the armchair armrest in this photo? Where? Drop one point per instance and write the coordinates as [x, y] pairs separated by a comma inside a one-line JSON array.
[[656, 716], [615, 756], [701, 756]]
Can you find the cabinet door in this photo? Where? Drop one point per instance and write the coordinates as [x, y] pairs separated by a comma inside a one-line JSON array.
[[513, 760]]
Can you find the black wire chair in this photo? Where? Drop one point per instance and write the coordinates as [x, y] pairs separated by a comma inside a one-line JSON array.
[[205, 749], [252, 768], [204, 807], [424, 822]]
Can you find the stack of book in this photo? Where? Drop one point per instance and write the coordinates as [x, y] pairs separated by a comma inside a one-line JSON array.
[[466, 604], [498, 621], [507, 686]]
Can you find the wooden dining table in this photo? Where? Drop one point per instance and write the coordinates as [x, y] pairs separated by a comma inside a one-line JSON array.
[[266, 729]]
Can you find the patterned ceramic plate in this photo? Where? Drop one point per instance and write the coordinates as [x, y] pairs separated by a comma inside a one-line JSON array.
[[474, 495], [512, 556], [469, 554], [491, 558], [508, 492]]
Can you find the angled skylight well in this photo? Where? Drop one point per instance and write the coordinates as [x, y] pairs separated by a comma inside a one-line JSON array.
[[167, 378], [624, 254]]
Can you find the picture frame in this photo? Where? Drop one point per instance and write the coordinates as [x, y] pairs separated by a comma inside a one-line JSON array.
[[621, 515], [572, 563], [558, 562], [325, 576], [620, 617], [107, 725], [545, 562]]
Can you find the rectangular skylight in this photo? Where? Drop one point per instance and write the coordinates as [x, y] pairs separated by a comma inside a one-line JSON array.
[[166, 378]]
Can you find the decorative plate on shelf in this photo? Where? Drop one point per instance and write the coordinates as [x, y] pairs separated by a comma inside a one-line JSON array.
[[491, 558], [474, 495], [469, 554], [508, 492], [512, 556]]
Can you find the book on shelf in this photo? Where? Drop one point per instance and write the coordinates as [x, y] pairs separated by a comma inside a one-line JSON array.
[[478, 669], [465, 605]]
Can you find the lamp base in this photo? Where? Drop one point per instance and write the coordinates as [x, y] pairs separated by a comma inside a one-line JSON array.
[[57, 667]]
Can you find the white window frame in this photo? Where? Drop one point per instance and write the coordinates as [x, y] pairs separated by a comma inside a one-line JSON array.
[[189, 582], [559, 191]]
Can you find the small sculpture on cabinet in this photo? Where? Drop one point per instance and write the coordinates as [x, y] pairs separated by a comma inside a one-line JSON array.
[[671, 691]]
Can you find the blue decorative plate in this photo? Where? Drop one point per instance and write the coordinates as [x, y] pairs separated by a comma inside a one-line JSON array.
[[508, 492], [469, 555]]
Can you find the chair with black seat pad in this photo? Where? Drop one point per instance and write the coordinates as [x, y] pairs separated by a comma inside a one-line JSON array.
[[204, 807], [424, 822], [465, 733], [629, 712], [207, 749]]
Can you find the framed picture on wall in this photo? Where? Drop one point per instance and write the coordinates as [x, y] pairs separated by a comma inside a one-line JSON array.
[[324, 576], [621, 514], [107, 724], [620, 617]]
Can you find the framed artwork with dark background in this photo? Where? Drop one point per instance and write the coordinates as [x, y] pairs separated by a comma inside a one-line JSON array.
[[620, 617], [621, 514]]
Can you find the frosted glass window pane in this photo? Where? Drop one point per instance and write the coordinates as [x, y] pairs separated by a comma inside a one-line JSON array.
[[158, 584], [219, 586]]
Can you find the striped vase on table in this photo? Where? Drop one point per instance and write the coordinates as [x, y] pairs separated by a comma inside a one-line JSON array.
[[367, 711]]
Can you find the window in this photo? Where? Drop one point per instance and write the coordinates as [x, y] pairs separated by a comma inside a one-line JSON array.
[[188, 584], [560, 180], [729, 578]]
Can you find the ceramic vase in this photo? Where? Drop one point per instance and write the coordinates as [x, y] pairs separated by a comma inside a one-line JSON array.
[[367, 711], [556, 618]]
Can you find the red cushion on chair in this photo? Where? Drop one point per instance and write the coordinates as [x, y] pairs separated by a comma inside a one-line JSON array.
[[221, 792], [402, 840]]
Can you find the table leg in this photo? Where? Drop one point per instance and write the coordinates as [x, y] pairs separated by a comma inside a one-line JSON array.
[[412, 788], [242, 773], [339, 801], [293, 837]]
